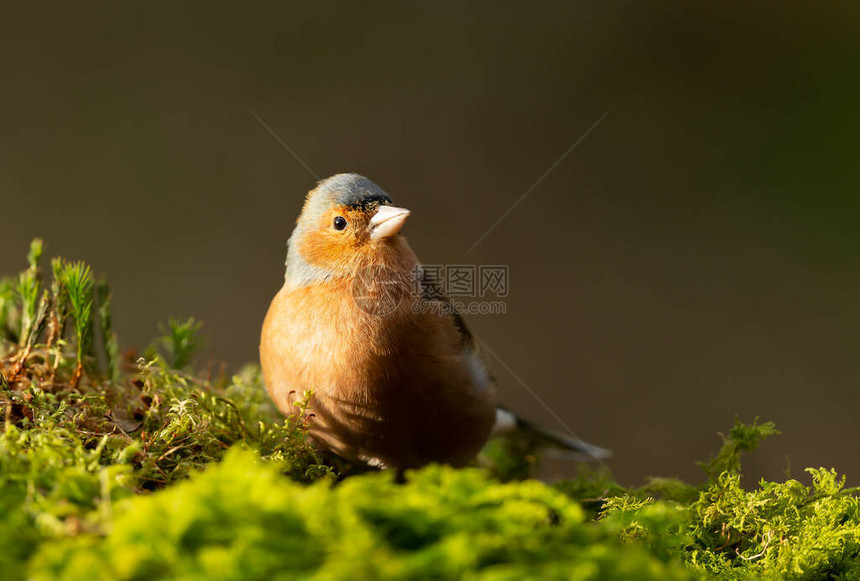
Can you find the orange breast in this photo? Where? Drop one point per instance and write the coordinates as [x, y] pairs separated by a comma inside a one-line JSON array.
[[391, 389]]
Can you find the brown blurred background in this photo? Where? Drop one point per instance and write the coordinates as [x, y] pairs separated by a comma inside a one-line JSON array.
[[695, 257]]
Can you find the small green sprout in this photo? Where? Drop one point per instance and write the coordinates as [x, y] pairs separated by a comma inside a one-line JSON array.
[[110, 345], [8, 310], [34, 256], [77, 279], [741, 438], [181, 340], [29, 289]]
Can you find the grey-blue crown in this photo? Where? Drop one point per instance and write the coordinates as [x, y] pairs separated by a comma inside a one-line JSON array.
[[351, 189]]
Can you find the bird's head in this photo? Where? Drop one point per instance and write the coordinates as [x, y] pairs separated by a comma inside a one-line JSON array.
[[347, 223]]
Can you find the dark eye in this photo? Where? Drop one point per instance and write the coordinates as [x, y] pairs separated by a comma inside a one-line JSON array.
[[339, 223]]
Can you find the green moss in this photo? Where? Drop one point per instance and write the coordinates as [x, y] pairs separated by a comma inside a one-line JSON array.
[[242, 520], [138, 468]]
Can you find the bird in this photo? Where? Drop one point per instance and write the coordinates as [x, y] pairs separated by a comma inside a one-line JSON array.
[[392, 384]]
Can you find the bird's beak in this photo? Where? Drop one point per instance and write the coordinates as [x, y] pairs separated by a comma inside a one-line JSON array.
[[387, 221]]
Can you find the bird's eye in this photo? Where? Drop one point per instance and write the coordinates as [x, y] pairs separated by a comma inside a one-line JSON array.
[[339, 223]]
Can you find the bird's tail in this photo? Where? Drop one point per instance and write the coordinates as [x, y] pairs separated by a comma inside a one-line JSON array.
[[507, 421]]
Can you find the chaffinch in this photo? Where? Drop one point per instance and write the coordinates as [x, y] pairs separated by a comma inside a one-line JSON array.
[[393, 385]]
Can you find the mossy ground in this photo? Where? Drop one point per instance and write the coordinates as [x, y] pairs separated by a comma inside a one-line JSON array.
[[127, 467]]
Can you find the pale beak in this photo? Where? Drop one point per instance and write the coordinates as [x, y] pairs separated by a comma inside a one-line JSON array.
[[387, 221]]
